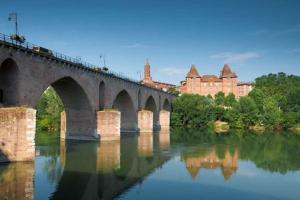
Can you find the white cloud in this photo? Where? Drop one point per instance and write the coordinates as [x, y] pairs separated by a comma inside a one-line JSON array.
[[292, 51], [229, 57], [260, 32], [135, 46], [295, 29], [173, 71]]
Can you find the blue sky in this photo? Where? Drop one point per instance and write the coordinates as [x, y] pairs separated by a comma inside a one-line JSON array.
[[253, 37]]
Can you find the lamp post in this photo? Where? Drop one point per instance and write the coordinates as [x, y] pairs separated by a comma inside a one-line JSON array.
[[104, 61], [13, 17]]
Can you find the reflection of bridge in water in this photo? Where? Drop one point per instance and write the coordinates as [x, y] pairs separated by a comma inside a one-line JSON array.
[[16, 181], [107, 170], [92, 170]]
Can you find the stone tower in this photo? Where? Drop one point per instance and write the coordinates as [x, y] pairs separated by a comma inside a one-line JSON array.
[[147, 73], [193, 80], [229, 80]]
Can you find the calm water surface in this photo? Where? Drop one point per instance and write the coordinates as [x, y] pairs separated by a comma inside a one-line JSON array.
[[178, 165]]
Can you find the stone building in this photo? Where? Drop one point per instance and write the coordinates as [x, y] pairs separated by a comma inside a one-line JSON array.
[[156, 84], [205, 85]]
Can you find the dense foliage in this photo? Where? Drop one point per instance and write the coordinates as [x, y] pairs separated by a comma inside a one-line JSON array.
[[274, 103], [48, 111]]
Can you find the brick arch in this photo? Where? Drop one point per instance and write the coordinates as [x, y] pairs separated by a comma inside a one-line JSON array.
[[79, 113], [9, 82], [166, 105], [151, 105], [124, 103], [139, 99], [102, 94]]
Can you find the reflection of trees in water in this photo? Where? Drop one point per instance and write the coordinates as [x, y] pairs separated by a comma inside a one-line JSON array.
[[54, 169], [48, 145], [275, 152]]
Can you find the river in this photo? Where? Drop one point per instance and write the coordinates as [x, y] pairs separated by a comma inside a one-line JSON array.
[[183, 164]]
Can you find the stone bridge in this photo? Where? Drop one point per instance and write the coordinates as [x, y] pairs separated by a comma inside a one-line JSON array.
[[98, 104]]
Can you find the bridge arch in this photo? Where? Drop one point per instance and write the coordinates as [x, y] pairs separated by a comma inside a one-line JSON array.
[[151, 106], [80, 119], [124, 103], [139, 99], [167, 105], [9, 83], [102, 89]]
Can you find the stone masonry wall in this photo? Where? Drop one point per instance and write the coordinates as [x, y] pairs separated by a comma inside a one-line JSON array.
[[109, 124], [17, 133], [145, 121]]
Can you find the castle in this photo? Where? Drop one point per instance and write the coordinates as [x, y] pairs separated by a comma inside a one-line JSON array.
[[205, 85]]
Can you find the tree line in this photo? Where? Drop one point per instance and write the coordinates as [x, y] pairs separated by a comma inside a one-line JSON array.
[[274, 103]]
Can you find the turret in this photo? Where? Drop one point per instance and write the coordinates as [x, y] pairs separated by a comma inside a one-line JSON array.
[[147, 72]]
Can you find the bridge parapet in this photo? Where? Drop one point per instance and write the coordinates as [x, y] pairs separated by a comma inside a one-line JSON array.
[[75, 62]]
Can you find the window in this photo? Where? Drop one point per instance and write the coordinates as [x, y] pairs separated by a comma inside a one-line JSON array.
[[1, 96]]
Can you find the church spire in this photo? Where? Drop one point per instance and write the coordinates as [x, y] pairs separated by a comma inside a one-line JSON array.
[[147, 61], [147, 72]]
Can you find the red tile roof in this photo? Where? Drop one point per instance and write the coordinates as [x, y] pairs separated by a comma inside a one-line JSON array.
[[227, 73], [210, 78], [193, 72]]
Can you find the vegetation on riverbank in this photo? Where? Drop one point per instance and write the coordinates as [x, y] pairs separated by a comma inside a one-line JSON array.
[[49, 108], [274, 103]]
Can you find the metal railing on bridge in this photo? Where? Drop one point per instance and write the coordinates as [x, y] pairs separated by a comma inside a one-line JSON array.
[[59, 56]]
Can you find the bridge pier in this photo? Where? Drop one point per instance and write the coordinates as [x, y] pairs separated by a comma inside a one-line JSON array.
[[164, 120], [109, 124], [17, 133], [63, 125], [145, 121]]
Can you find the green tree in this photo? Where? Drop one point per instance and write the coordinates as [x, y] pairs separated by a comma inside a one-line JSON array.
[[258, 96], [173, 90], [49, 108], [248, 111], [220, 99], [272, 115], [192, 111], [230, 100]]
